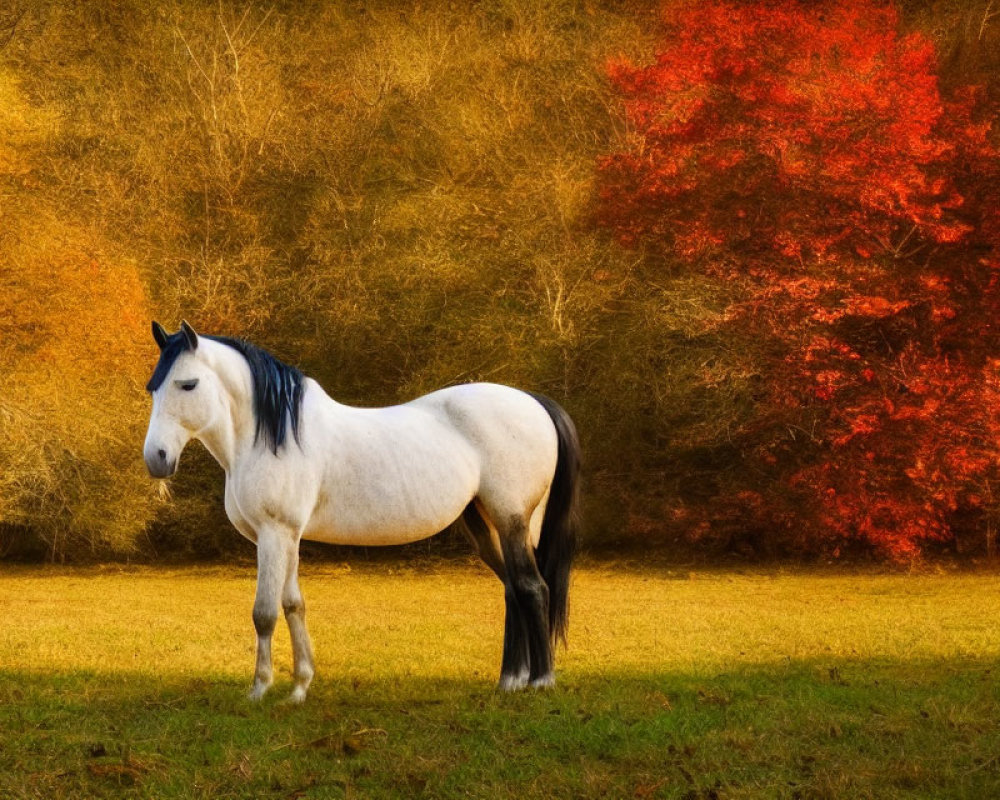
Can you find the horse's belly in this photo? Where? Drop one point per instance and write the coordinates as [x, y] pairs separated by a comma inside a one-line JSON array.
[[370, 537], [385, 523], [395, 506]]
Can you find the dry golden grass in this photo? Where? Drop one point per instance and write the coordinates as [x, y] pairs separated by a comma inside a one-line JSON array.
[[130, 682], [384, 622]]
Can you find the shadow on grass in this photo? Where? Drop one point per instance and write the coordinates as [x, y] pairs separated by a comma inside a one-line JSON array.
[[796, 730]]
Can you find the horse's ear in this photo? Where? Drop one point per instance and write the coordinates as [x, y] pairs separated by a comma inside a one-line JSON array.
[[159, 335], [189, 335]]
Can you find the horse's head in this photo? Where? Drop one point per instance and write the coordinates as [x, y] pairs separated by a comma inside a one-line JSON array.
[[186, 396]]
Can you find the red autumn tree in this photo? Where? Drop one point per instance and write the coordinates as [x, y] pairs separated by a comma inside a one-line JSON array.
[[802, 128], [805, 151]]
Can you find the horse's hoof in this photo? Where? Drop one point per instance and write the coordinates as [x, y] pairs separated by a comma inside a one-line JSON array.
[[544, 682], [513, 683], [297, 697], [257, 692]]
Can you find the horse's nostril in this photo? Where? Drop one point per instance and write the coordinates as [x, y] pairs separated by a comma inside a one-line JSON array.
[[162, 454]]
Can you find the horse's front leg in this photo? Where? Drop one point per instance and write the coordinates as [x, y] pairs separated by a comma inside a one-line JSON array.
[[295, 616], [272, 568]]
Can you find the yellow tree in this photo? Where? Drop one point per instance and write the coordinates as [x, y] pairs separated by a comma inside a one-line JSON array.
[[73, 320]]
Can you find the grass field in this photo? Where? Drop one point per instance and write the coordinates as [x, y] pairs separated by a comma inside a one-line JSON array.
[[130, 682]]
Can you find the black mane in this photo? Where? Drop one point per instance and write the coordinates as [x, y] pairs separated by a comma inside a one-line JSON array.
[[277, 387]]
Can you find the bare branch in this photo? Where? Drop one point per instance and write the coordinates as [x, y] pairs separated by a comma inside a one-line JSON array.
[[988, 14], [9, 35], [194, 58]]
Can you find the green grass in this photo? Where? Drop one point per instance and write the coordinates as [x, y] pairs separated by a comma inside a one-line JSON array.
[[130, 683]]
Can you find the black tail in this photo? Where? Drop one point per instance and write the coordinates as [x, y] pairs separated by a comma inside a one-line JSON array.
[[557, 544]]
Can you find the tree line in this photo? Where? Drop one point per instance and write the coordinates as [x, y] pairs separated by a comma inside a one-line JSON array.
[[749, 246]]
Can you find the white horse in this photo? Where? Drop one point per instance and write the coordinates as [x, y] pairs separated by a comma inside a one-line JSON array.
[[503, 461]]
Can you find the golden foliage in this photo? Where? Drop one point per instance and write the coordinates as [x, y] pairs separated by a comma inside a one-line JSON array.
[[72, 353]]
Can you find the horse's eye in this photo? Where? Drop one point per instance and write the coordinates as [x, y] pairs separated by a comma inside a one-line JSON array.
[[187, 386]]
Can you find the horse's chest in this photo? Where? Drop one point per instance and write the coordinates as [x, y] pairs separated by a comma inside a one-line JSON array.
[[240, 522]]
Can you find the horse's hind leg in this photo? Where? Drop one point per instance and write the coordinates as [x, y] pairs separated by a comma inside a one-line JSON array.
[[531, 594], [514, 668], [295, 615]]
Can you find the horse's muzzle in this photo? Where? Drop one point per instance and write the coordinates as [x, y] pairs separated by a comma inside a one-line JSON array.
[[159, 465]]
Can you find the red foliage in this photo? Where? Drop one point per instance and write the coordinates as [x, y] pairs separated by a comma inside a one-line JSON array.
[[800, 128], [805, 150]]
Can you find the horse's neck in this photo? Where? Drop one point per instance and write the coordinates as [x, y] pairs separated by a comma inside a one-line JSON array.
[[231, 432]]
